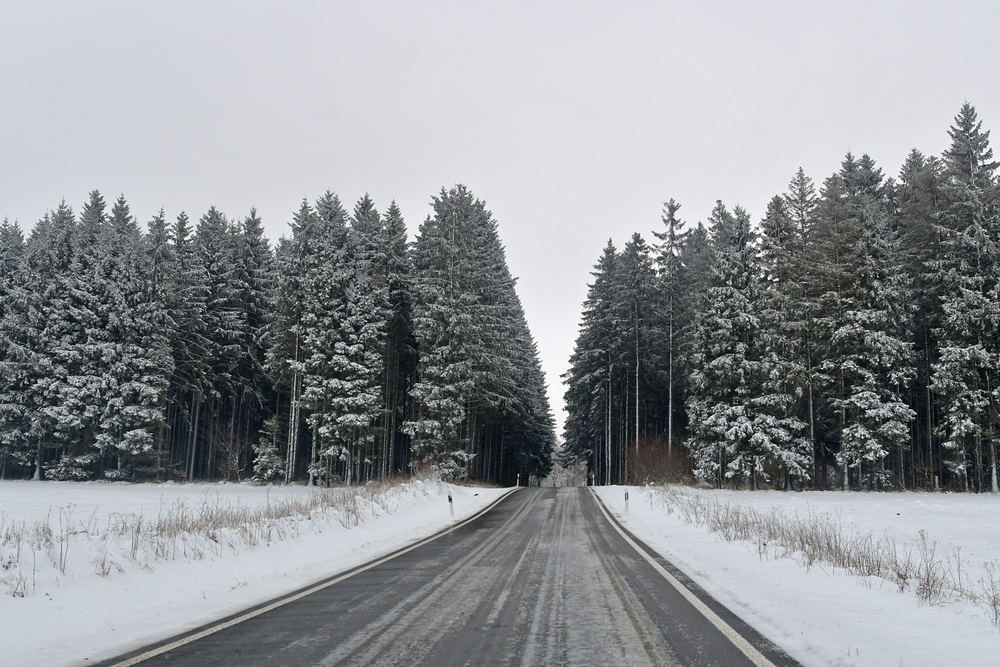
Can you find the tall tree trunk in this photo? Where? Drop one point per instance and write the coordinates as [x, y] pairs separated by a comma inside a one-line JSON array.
[[293, 418], [930, 423], [312, 460], [607, 439], [39, 453], [994, 482], [635, 462], [214, 428], [193, 439], [670, 382]]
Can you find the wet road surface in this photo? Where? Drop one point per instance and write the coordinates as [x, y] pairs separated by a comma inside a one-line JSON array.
[[544, 578]]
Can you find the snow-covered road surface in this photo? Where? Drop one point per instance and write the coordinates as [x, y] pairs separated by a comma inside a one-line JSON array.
[[542, 579]]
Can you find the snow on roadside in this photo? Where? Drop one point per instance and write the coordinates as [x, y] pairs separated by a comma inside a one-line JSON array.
[[86, 594], [822, 615]]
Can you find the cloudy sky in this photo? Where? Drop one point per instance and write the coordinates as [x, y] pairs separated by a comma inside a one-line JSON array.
[[574, 121]]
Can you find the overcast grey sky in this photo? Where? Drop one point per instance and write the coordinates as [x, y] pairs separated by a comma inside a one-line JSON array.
[[574, 121]]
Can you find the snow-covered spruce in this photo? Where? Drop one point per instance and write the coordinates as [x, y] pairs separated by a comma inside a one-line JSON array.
[[850, 340], [198, 353]]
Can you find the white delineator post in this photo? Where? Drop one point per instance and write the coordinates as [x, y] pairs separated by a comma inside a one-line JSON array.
[[626, 502], [451, 504]]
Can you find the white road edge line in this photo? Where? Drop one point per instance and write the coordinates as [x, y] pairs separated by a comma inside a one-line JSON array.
[[301, 594], [755, 656]]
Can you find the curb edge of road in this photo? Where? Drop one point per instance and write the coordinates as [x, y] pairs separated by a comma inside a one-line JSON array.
[[154, 649], [753, 647]]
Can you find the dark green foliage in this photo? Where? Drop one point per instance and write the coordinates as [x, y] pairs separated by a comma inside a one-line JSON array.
[[855, 342], [479, 403]]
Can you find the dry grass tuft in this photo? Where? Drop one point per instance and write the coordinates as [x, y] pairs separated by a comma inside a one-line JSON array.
[[211, 527], [918, 566]]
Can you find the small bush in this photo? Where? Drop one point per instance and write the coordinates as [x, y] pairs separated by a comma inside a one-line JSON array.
[[655, 464]]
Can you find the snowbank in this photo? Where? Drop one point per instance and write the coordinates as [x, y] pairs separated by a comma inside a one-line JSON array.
[[89, 571], [823, 615]]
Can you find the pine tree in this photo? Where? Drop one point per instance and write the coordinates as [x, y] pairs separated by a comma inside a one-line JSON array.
[[828, 283], [79, 396], [509, 403], [284, 357], [11, 260], [637, 317], [268, 463], [354, 403]]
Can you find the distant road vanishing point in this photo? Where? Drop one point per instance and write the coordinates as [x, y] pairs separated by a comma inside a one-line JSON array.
[[545, 577]]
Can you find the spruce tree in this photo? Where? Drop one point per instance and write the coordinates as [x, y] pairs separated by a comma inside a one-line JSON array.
[[863, 322], [801, 256], [672, 273], [13, 274], [445, 326], [34, 372], [473, 355], [782, 345], [255, 284], [880, 320], [136, 358], [190, 346], [965, 375], [82, 346], [324, 275], [400, 346], [161, 262], [728, 437], [590, 433], [919, 195]]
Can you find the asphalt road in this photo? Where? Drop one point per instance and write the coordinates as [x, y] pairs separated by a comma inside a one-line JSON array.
[[542, 579]]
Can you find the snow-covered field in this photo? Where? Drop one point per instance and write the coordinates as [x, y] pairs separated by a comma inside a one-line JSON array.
[[89, 571], [823, 615]]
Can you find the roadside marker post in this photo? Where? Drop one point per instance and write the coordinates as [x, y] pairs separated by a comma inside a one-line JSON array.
[[626, 501], [451, 504]]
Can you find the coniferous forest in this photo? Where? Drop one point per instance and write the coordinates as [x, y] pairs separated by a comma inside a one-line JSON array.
[[193, 350], [849, 339]]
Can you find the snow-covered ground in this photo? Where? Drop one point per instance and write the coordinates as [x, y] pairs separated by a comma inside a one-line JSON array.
[[823, 615], [83, 576]]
